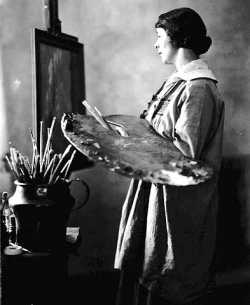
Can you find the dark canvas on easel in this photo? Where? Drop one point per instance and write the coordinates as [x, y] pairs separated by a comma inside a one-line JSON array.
[[60, 86]]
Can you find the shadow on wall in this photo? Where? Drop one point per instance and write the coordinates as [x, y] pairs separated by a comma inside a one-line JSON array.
[[233, 238]]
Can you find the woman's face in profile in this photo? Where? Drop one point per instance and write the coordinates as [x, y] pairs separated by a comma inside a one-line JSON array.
[[164, 46]]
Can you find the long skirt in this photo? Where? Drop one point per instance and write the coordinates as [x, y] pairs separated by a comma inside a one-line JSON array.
[[166, 241]]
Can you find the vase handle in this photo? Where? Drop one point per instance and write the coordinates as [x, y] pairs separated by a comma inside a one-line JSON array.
[[81, 204]]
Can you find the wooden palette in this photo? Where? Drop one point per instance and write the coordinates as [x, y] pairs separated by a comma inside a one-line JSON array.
[[142, 155]]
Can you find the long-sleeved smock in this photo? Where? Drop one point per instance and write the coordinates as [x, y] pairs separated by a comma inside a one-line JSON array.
[[167, 233]]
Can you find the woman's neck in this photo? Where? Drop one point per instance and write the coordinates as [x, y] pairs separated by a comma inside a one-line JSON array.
[[183, 57]]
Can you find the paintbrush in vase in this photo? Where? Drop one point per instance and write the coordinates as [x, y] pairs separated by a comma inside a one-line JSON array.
[[46, 167]]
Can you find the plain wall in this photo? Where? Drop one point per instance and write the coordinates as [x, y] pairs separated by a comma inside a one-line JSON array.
[[122, 72]]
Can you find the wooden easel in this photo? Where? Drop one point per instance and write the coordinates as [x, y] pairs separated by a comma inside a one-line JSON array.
[[52, 21]]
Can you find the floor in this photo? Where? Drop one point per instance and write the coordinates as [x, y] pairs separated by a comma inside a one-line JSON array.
[[99, 288], [233, 295]]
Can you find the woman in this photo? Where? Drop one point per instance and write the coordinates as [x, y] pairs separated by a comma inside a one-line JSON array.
[[167, 234]]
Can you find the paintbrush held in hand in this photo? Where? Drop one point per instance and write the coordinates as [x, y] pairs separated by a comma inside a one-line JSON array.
[[115, 127], [97, 115], [46, 166]]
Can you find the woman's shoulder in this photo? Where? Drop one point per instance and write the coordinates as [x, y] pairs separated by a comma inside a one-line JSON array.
[[202, 89], [201, 83]]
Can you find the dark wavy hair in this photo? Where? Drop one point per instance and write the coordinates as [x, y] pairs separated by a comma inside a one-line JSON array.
[[186, 29]]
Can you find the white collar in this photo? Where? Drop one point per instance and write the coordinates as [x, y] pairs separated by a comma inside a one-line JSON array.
[[194, 69]]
